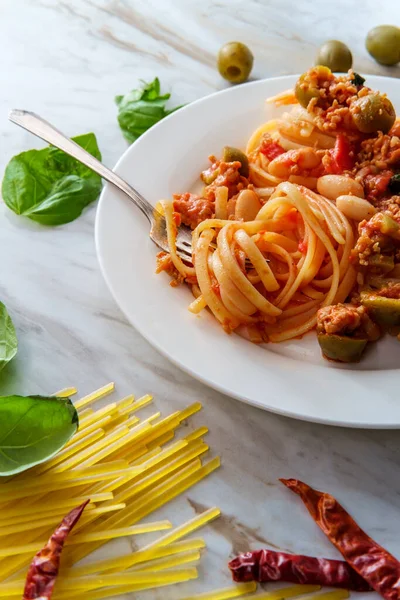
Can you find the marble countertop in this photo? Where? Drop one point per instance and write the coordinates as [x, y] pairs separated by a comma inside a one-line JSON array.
[[67, 60]]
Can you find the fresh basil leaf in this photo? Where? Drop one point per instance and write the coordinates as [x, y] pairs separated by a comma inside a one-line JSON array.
[[8, 338], [50, 187], [33, 429], [140, 109], [65, 201]]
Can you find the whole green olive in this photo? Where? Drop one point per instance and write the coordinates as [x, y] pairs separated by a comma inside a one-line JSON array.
[[307, 85], [372, 113], [235, 62], [231, 154], [383, 44], [335, 55]]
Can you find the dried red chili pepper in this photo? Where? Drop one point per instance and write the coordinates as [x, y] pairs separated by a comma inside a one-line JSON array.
[[43, 570], [267, 565], [375, 564]]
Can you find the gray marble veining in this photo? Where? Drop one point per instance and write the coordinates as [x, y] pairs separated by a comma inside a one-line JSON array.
[[67, 60]]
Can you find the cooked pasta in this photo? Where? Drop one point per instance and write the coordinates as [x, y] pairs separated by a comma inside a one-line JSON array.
[[276, 231]]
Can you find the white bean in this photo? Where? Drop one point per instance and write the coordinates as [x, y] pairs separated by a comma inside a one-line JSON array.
[[247, 205], [355, 208], [332, 186], [304, 158]]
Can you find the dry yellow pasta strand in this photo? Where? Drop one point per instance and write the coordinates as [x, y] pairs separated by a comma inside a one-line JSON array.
[[111, 592], [98, 423], [71, 450], [136, 455], [169, 562], [139, 486], [158, 497], [112, 410], [225, 594], [179, 487], [160, 441], [164, 454], [185, 456], [122, 436], [125, 401], [171, 422], [90, 537], [94, 449], [198, 433], [152, 499], [138, 577], [68, 479], [190, 410], [121, 532], [98, 581], [189, 527], [140, 556], [96, 395], [32, 510], [149, 501], [154, 464], [93, 416], [66, 392], [141, 403], [49, 521]]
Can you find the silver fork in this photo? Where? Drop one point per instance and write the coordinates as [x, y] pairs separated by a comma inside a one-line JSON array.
[[158, 231]]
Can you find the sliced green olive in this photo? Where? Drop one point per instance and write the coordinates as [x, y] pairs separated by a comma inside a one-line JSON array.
[[209, 175], [373, 113], [335, 55], [235, 62], [307, 85], [382, 262], [383, 44], [231, 154], [341, 348], [389, 226], [385, 311]]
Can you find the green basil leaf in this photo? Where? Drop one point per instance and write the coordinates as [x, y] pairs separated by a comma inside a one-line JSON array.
[[140, 109], [50, 187], [33, 429], [65, 201], [8, 338]]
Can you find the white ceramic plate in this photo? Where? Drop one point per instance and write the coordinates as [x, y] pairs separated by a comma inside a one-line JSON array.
[[290, 378]]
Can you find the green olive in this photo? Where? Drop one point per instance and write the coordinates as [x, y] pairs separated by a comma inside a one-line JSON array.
[[235, 62], [307, 85], [383, 263], [341, 348], [373, 113], [383, 44], [385, 311], [231, 154], [335, 55]]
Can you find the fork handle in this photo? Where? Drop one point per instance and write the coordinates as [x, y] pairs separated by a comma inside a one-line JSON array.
[[38, 126]]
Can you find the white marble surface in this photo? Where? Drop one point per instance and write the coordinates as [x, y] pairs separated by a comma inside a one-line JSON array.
[[67, 60]]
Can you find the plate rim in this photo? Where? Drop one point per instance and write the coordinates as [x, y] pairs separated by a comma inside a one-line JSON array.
[[159, 347]]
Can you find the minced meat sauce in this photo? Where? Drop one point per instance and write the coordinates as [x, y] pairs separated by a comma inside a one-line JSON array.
[[340, 319]]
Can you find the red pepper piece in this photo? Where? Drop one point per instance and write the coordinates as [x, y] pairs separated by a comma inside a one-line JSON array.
[[266, 565], [271, 149], [375, 564], [43, 570], [342, 155]]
